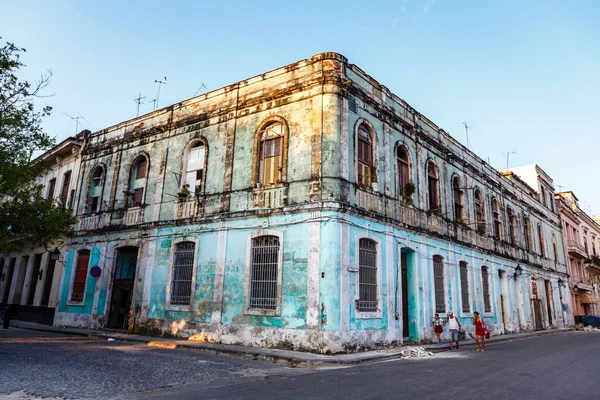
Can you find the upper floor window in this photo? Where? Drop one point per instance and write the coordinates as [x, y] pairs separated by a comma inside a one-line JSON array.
[[195, 162], [496, 215], [554, 247], [81, 271], [183, 267], [64, 193], [367, 275], [433, 186], [512, 233], [264, 271], [527, 232], [270, 168], [541, 240], [95, 190], [51, 187], [479, 212], [458, 197], [438, 283], [485, 282], [464, 286], [543, 196], [585, 245], [404, 180], [364, 156], [137, 182]]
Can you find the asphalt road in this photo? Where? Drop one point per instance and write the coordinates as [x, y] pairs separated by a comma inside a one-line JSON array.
[[559, 366]]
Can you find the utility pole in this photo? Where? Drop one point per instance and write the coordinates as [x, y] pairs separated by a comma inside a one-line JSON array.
[[138, 100]]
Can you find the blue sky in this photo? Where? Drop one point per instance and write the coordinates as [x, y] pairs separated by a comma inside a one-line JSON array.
[[524, 74]]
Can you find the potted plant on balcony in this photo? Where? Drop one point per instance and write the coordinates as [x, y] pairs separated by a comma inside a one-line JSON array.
[[184, 191], [408, 189]]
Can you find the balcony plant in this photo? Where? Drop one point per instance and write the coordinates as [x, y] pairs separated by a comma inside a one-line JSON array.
[[184, 191], [408, 189]]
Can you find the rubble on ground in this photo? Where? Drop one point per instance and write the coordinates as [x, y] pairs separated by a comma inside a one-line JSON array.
[[415, 352]]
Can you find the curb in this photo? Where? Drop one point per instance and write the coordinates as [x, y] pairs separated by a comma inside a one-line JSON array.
[[289, 357]]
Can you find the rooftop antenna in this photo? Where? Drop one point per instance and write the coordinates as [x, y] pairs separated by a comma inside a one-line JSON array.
[[138, 100], [160, 83], [76, 119], [507, 155], [467, 133], [202, 85]]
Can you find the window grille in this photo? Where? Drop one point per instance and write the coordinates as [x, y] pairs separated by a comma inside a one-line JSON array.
[[438, 281], [367, 271], [183, 266], [83, 259], [485, 280], [263, 273], [464, 286]]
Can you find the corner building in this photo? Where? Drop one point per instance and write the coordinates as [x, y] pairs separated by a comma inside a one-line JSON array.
[[305, 208]]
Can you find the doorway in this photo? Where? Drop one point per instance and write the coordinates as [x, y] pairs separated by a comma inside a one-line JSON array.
[[504, 298], [9, 278], [122, 288], [549, 302], [537, 307], [404, 269]]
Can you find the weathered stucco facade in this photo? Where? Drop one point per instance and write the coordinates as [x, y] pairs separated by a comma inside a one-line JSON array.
[[366, 217]]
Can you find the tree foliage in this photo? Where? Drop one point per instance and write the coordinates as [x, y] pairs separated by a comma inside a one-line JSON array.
[[26, 217]]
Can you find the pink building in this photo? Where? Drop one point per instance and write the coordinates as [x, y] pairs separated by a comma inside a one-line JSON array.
[[581, 235]]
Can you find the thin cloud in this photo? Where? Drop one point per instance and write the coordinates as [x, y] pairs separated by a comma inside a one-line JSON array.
[[427, 7], [396, 21]]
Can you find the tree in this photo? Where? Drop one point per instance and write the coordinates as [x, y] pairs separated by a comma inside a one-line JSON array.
[[26, 217]]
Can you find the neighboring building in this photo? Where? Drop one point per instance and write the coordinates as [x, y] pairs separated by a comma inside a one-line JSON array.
[[306, 208], [30, 277], [581, 234]]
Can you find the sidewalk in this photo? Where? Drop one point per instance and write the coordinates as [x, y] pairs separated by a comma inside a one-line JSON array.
[[294, 358]]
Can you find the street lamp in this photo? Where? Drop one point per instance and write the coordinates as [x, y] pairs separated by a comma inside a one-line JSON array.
[[561, 283], [518, 272], [55, 254]]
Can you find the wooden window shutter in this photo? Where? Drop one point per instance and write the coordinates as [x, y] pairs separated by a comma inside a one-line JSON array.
[[140, 173], [138, 196], [64, 193]]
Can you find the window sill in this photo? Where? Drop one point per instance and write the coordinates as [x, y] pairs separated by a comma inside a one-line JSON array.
[[268, 187], [76, 304], [369, 314], [171, 307], [265, 313]]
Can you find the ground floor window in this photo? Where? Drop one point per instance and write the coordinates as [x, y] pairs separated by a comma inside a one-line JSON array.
[[263, 273]]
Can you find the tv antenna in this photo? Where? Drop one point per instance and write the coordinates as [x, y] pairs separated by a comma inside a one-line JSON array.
[[138, 100], [76, 119], [202, 85], [561, 187], [160, 83], [507, 155], [467, 132]]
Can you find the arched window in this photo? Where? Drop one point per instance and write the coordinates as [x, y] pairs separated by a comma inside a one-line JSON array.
[[464, 286], [457, 191], [541, 240], [264, 269], [364, 156], [497, 221], [137, 182], [183, 267], [270, 165], [80, 276], [512, 233], [554, 247], [367, 275], [479, 212], [95, 190], [485, 283], [433, 186], [438, 283], [195, 159], [402, 158], [527, 232]]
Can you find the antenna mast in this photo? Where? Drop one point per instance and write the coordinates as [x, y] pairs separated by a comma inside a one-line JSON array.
[[160, 83], [76, 119], [138, 100]]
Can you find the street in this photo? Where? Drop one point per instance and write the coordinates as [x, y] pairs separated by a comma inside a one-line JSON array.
[[558, 366]]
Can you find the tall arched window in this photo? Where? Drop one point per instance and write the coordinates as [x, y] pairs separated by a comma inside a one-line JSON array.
[[464, 286], [485, 283], [367, 275], [183, 267], [402, 159], [497, 221], [554, 247], [512, 233], [438, 283], [457, 194], [433, 186], [137, 182], [264, 269], [195, 161], [93, 203], [541, 240], [270, 167], [80, 276], [479, 212], [527, 232], [364, 156]]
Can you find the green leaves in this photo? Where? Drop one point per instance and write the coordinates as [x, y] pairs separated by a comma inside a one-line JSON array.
[[26, 218]]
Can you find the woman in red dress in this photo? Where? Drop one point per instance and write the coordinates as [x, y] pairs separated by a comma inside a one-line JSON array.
[[480, 329]]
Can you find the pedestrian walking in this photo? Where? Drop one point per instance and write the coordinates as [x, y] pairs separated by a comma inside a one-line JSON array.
[[453, 328], [437, 327], [480, 329]]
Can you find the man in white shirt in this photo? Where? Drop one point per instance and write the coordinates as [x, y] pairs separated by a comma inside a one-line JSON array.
[[453, 329]]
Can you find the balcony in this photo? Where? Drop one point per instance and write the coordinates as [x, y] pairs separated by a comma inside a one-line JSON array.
[[92, 222], [575, 249], [188, 207], [133, 216], [368, 200], [582, 283], [269, 197]]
